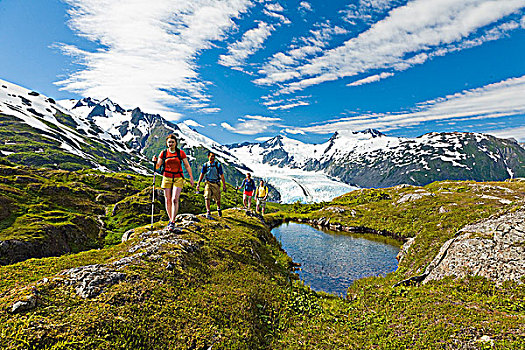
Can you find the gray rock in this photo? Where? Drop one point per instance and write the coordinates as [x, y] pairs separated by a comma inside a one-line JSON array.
[[24, 305], [404, 249], [334, 209], [413, 197], [493, 248], [186, 217], [89, 281], [126, 236]]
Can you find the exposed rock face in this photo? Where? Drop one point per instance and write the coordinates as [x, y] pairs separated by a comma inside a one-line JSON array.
[[91, 280], [24, 305], [493, 248], [60, 240], [404, 249]]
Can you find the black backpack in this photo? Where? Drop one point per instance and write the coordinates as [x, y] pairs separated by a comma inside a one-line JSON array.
[[162, 168], [215, 165]]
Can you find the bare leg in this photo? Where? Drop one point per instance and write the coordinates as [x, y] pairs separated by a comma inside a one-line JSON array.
[[219, 202], [175, 201], [167, 200], [208, 204], [249, 202]]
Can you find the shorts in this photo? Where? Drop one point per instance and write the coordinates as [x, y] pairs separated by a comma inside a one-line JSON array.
[[212, 191], [261, 202], [247, 195], [168, 182]]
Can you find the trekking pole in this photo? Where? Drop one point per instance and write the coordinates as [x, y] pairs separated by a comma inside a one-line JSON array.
[[153, 196], [236, 190]]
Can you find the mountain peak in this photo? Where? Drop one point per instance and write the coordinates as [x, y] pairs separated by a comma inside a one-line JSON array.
[[86, 102], [274, 141], [348, 134], [373, 132], [110, 105]]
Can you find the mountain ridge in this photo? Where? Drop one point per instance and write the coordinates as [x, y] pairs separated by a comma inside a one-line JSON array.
[[125, 139], [373, 159]]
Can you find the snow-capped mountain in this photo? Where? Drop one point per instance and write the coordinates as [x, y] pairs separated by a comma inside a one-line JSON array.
[[143, 131], [88, 133], [38, 131], [100, 134], [372, 159]]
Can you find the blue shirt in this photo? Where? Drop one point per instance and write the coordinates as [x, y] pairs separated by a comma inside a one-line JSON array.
[[249, 185], [212, 172]]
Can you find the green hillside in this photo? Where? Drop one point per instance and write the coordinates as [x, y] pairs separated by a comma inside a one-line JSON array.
[[51, 212], [226, 284]]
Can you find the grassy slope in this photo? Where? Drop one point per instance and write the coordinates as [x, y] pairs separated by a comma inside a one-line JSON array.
[[441, 314], [33, 147], [225, 293], [38, 203], [235, 293]]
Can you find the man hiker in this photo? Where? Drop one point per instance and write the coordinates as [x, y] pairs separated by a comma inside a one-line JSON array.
[[171, 159], [212, 172], [249, 186], [261, 193]]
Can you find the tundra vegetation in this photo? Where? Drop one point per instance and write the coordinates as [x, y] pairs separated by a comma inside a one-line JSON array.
[[226, 283]]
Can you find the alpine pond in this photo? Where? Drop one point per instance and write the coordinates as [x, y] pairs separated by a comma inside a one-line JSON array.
[[331, 261]]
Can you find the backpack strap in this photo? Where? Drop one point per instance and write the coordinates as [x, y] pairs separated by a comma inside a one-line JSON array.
[[177, 155]]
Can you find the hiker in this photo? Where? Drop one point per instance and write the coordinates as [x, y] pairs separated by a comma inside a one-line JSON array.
[[171, 159], [261, 193], [249, 187], [213, 174]]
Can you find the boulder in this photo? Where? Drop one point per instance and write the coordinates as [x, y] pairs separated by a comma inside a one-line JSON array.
[[493, 248], [89, 281], [24, 305]]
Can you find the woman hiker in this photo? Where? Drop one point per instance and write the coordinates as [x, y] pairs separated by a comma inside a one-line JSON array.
[[213, 174], [249, 187], [172, 177], [261, 193]]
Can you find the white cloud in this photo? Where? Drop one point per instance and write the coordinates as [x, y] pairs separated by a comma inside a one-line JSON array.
[[294, 131], [502, 99], [250, 43], [409, 35], [280, 17], [289, 105], [515, 133], [262, 139], [146, 50], [305, 5], [253, 124], [371, 79], [282, 104], [274, 7], [191, 122], [280, 67]]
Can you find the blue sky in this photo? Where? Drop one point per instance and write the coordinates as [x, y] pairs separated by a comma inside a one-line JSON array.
[[239, 70]]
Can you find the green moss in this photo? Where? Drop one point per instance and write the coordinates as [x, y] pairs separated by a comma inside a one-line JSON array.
[[432, 219], [235, 291]]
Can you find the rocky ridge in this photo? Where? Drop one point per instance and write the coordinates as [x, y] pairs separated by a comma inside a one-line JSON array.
[[493, 248], [91, 280]]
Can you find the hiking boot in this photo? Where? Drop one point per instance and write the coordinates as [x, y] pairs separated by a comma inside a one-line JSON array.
[[170, 226], [175, 230], [208, 216], [219, 211]]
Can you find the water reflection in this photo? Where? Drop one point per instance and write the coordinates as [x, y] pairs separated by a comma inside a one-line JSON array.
[[331, 261]]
